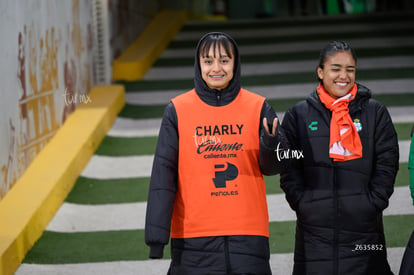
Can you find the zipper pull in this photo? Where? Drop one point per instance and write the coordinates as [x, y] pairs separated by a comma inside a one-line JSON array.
[[218, 96]]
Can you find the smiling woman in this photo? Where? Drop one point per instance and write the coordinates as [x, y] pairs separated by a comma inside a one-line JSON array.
[[338, 74], [207, 189], [216, 62], [343, 183]]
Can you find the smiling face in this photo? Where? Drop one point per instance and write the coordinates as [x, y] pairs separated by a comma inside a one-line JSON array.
[[338, 73], [217, 67]]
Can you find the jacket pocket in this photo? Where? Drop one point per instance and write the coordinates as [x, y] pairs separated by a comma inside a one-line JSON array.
[[357, 213]]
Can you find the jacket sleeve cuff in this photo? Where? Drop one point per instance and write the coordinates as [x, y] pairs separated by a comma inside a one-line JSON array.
[[156, 251], [270, 141]]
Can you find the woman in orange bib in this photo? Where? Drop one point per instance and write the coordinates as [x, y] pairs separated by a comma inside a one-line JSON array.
[[343, 183], [207, 191]]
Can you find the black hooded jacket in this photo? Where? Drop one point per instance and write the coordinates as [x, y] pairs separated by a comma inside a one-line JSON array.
[[339, 204], [163, 187]]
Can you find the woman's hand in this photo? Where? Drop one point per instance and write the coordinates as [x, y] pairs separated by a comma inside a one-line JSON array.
[[268, 126]]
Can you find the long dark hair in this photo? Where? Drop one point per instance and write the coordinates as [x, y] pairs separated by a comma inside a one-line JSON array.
[[331, 48]]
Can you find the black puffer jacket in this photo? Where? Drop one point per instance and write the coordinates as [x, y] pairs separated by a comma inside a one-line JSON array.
[[206, 255], [339, 204]]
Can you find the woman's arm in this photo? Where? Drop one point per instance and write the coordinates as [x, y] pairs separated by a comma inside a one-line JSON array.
[[386, 159], [291, 179], [163, 185], [268, 160]]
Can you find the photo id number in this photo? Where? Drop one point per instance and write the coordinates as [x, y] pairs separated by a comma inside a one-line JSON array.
[[368, 247]]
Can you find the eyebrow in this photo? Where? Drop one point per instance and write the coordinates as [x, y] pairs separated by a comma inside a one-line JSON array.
[[339, 65], [221, 56]]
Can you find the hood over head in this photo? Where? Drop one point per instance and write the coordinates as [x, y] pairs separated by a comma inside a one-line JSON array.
[[208, 95]]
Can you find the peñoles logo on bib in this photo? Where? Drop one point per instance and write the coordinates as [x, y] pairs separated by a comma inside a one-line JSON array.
[[208, 140]]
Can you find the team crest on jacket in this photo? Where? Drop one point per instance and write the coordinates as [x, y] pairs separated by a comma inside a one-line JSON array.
[[358, 124]]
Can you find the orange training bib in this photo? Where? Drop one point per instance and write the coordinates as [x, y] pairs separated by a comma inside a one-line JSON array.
[[221, 190]]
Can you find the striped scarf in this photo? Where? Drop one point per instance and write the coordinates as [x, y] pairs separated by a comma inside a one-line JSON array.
[[345, 143]]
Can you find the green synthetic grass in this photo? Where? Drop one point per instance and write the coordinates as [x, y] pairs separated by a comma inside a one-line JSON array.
[[130, 190], [127, 146], [291, 56], [109, 191], [403, 130], [63, 248], [280, 105], [126, 245], [264, 80], [142, 111], [398, 229], [282, 237]]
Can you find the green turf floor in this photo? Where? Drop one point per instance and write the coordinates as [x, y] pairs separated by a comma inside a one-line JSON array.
[[124, 245]]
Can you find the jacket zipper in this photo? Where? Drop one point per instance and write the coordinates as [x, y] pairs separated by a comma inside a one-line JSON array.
[[218, 97], [226, 255], [336, 219]]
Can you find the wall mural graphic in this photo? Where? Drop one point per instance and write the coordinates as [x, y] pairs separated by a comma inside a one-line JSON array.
[[52, 55]]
